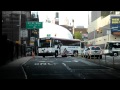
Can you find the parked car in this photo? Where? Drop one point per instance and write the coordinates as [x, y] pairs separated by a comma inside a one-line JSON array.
[[93, 51]]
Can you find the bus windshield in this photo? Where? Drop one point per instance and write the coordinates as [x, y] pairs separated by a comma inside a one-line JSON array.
[[112, 45], [44, 43]]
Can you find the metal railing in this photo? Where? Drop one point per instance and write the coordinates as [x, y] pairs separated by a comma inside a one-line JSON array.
[[11, 51]]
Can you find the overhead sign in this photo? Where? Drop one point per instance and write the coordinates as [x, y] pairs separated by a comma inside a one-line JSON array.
[[115, 24], [34, 25]]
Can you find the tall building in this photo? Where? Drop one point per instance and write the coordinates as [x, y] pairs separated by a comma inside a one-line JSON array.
[[57, 18], [100, 27], [56, 15], [13, 22]]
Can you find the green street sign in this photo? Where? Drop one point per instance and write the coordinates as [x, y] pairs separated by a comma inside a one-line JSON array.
[[34, 25]]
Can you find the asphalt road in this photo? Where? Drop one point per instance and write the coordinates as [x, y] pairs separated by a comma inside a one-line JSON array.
[[66, 68]]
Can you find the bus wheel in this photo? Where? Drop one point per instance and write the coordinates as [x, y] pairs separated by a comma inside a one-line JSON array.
[[115, 54], [75, 54], [44, 56]]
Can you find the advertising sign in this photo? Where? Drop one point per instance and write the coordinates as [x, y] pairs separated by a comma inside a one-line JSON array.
[[115, 23]]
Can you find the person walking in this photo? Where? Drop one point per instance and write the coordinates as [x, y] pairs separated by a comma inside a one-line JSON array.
[[33, 53]]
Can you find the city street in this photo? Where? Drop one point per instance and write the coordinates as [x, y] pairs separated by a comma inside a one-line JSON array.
[[67, 68]]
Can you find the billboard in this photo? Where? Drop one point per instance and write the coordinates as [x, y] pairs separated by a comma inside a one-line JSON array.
[[115, 23]]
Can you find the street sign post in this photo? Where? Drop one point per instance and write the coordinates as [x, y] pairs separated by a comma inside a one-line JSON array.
[[24, 33], [34, 25]]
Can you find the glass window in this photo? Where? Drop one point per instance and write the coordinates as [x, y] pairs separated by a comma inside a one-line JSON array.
[[44, 43], [114, 45], [95, 48]]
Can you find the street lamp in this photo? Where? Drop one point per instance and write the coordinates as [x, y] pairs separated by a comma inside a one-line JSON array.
[[20, 27], [73, 25]]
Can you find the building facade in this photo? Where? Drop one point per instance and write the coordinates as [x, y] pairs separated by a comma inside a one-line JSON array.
[[13, 22], [57, 18], [100, 29]]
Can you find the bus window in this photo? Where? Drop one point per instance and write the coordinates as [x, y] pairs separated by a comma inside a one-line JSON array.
[[44, 43], [112, 45], [115, 45]]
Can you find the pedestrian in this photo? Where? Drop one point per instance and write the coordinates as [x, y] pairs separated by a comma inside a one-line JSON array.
[[33, 53]]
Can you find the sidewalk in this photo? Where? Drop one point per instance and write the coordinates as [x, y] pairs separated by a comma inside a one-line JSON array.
[[13, 70], [109, 61]]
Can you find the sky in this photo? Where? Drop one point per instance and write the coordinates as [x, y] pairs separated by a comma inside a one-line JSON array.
[[80, 17]]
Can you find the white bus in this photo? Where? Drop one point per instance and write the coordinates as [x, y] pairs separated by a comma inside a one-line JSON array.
[[51, 46], [112, 48]]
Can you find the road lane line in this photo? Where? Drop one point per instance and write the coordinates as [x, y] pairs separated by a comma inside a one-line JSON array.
[[67, 67], [24, 72]]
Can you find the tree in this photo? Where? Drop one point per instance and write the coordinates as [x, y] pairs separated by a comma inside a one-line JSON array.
[[78, 35]]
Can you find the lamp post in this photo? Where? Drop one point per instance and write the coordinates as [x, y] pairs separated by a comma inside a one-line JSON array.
[[73, 26], [94, 36], [20, 27]]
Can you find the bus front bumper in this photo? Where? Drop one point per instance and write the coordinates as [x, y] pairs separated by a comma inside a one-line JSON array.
[[46, 54]]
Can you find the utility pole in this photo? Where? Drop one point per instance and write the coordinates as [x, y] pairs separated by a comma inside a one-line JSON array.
[[20, 27], [94, 36], [73, 26]]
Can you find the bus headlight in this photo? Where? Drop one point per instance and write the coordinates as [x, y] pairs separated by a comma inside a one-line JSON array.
[[49, 51]]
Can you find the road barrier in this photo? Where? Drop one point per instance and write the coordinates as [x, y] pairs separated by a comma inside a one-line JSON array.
[[109, 61]]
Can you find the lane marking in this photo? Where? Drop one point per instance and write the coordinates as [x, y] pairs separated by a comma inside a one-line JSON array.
[[24, 72], [23, 68], [87, 62], [67, 61], [45, 61], [67, 67], [75, 60]]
